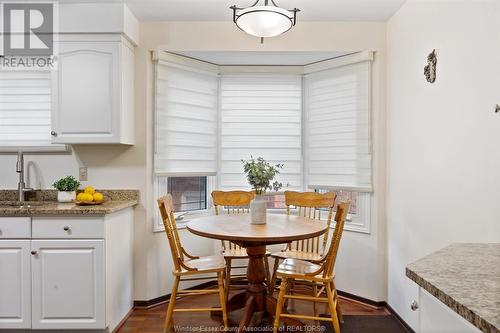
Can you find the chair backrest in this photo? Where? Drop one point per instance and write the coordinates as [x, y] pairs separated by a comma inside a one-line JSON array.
[[166, 207], [310, 205], [232, 202], [331, 257]]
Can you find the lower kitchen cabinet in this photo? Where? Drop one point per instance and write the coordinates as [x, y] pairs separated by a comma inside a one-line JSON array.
[[68, 284], [15, 284], [436, 317], [66, 273]]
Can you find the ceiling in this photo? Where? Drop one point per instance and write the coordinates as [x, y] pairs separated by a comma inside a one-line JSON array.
[[262, 58], [218, 10]]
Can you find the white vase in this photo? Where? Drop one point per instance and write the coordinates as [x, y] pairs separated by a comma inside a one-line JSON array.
[[258, 210], [66, 196]]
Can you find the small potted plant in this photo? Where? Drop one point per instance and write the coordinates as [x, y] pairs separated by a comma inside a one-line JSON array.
[[260, 175], [67, 187]]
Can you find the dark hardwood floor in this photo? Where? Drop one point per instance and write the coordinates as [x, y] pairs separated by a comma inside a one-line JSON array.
[[152, 319]]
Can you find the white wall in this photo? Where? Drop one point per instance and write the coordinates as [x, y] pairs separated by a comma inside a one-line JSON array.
[[443, 155], [361, 266]]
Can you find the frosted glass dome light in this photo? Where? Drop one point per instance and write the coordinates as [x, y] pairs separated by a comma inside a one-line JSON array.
[[264, 21]]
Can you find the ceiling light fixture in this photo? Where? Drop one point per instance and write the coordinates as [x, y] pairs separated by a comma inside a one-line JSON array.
[[266, 20]]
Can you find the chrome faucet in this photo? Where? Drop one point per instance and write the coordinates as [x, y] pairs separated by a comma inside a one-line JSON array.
[[21, 186]]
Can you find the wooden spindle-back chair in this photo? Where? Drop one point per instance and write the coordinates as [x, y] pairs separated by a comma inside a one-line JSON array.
[[320, 273], [315, 206], [187, 266], [234, 202]]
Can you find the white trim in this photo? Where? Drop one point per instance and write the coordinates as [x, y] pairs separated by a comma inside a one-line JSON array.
[[171, 59], [233, 69], [54, 149], [187, 68], [338, 62], [341, 188], [185, 174], [361, 221]]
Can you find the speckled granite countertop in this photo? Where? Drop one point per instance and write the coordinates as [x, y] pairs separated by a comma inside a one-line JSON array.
[[44, 203], [465, 277]]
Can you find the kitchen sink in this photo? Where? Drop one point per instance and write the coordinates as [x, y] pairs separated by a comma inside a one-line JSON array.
[[21, 205]]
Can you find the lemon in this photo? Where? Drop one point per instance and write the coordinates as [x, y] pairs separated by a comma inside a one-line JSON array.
[[86, 197], [80, 196], [98, 196], [89, 190]]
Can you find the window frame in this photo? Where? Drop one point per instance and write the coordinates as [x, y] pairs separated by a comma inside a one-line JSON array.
[[189, 215]]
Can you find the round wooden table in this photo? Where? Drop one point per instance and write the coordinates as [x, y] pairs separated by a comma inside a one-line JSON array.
[[280, 228]]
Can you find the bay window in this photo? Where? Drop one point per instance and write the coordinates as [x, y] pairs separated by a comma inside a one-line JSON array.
[[316, 123]]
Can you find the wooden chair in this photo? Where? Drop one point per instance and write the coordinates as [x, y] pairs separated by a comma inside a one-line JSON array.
[[312, 205], [320, 273], [234, 202], [186, 267]]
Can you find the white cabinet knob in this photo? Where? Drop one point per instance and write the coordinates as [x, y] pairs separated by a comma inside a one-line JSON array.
[[414, 305]]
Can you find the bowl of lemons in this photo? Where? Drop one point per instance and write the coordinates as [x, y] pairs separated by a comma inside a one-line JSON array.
[[89, 196]]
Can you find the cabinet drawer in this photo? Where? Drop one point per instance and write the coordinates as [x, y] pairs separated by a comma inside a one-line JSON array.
[[15, 227], [68, 227]]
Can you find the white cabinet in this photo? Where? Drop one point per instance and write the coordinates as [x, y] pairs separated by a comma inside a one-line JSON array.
[[66, 273], [15, 285], [93, 89], [68, 284], [436, 317]]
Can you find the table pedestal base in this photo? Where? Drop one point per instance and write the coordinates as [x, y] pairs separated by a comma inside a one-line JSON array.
[[255, 302]]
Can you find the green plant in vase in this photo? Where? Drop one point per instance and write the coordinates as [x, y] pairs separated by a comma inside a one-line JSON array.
[[261, 176], [66, 187]]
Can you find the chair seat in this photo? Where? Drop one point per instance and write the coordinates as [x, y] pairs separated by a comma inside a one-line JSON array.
[[297, 267], [238, 253], [206, 264], [295, 254]]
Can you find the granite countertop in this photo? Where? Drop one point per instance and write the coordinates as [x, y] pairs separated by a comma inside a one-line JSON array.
[[44, 203], [465, 277]]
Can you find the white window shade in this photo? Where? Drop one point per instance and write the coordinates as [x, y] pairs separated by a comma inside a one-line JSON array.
[[261, 115], [186, 121], [25, 108], [338, 145]]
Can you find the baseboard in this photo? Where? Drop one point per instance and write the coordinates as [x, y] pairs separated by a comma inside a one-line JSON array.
[[378, 304], [122, 322], [398, 317], [150, 303]]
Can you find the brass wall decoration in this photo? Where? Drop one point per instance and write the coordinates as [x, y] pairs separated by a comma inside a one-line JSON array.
[[430, 69]]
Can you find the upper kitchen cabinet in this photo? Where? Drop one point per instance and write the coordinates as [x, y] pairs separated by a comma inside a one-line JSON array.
[[93, 86], [93, 90]]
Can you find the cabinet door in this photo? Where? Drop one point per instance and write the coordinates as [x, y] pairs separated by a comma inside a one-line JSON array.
[[68, 284], [15, 285], [86, 98], [435, 317]]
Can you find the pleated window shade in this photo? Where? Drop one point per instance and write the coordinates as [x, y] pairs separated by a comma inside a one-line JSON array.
[[25, 109], [261, 115], [186, 121], [338, 144]]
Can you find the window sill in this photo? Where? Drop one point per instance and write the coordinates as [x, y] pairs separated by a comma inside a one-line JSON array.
[[182, 224]]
